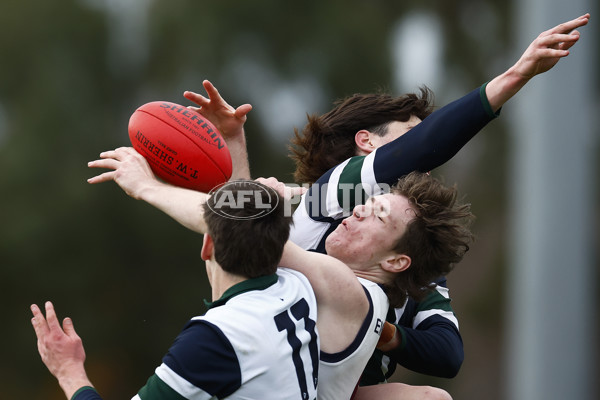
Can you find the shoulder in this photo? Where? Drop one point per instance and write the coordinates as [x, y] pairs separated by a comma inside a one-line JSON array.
[[374, 289], [434, 308], [200, 353], [201, 338], [377, 298]]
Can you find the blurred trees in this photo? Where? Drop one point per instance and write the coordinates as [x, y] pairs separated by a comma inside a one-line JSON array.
[[71, 74]]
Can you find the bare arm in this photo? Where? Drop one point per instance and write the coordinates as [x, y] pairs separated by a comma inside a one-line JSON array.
[[61, 349], [541, 55], [332, 280], [329, 277], [342, 302], [131, 172]]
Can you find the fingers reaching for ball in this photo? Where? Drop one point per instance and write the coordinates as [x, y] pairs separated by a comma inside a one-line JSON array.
[[129, 170], [228, 120]]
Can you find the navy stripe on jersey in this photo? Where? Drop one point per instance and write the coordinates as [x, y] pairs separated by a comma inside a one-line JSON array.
[[316, 197], [336, 357], [432, 142], [204, 356]]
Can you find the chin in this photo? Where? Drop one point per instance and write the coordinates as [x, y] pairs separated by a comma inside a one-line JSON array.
[[331, 249]]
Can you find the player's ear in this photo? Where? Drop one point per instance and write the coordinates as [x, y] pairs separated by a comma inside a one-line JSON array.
[[208, 247], [396, 263], [363, 142]]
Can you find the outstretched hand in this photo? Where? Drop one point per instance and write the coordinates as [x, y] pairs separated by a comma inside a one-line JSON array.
[[61, 349], [228, 120], [549, 47], [541, 55], [130, 170]]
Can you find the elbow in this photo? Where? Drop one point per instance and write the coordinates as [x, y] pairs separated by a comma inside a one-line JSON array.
[[452, 363]]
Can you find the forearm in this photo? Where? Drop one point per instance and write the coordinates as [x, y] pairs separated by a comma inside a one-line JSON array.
[[73, 382], [436, 350], [239, 156], [183, 205], [435, 140], [500, 89]]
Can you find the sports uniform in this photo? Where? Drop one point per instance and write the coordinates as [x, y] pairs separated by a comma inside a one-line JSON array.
[[339, 373], [431, 342], [258, 341]]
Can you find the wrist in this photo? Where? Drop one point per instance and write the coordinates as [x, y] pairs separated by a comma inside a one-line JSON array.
[[234, 135], [235, 139], [149, 190], [500, 89], [389, 339], [70, 384]]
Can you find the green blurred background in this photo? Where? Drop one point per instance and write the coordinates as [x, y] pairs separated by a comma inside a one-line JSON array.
[[72, 72]]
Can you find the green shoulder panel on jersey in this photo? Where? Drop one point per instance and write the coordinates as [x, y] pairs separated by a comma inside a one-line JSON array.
[[348, 185], [434, 301], [155, 388]]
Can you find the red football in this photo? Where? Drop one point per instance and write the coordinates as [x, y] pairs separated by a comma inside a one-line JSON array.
[[182, 147]]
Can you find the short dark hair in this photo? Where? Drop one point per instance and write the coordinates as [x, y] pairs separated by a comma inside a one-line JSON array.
[[328, 139], [248, 236], [436, 239]]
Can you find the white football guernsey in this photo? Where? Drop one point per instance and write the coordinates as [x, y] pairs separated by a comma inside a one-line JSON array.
[[257, 343], [339, 373]]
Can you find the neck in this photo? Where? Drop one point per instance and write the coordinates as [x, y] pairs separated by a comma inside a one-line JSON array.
[[361, 152], [220, 280], [370, 276], [374, 273]]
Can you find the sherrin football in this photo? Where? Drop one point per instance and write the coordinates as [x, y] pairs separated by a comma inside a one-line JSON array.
[[182, 147]]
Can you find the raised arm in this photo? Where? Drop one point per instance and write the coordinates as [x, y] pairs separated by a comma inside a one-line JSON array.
[[332, 280], [442, 134], [62, 352], [343, 304], [133, 174], [342, 301], [230, 123], [130, 170], [541, 55]]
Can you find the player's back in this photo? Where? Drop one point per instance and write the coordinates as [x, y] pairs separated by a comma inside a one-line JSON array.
[[258, 341], [274, 335]]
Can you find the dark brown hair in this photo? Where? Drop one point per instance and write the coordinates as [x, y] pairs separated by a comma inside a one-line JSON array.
[[328, 139], [249, 228], [435, 240]]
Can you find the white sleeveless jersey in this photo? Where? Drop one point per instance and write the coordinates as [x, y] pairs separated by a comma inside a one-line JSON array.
[[339, 373], [263, 345]]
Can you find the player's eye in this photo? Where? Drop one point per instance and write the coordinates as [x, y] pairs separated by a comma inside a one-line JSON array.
[[380, 213]]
